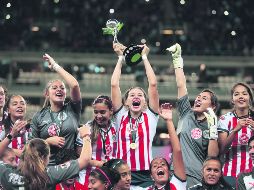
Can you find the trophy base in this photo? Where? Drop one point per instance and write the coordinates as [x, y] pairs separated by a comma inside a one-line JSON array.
[[133, 55]]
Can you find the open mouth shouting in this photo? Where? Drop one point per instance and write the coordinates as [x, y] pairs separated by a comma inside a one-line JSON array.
[[197, 103], [59, 94], [136, 103], [160, 173]]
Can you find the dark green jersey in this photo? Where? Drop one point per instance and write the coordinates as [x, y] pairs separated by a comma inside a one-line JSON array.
[[194, 139], [64, 123], [11, 178]]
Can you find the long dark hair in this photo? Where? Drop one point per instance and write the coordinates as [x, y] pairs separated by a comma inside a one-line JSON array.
[[107, 176], [248, 88], [94, 126], [7, 117], [32, 164]]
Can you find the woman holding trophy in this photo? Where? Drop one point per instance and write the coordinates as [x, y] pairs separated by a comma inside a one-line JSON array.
[[136, 119]]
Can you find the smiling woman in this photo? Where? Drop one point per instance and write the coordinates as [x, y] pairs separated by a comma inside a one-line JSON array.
[[235, 129], [103, 135], [58, 121], [14, 124]]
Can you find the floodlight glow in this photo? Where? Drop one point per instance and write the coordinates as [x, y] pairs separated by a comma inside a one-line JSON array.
[[111, 11], [8, 16], [233, 33], [226, 13], [143, 41], [214, 12]]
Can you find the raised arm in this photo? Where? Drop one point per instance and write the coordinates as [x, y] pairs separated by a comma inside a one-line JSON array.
[[116, 95], [153, 94], [178, 66], [75, 93], [166, 114], [86, 152]]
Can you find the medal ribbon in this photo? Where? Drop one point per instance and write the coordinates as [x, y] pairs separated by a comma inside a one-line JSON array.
[[134, 128], [104, 135]]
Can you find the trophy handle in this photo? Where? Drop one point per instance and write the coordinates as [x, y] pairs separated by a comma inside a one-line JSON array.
[[115, 36]]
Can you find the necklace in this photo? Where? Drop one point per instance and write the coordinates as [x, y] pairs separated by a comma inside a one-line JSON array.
[[243, 116]]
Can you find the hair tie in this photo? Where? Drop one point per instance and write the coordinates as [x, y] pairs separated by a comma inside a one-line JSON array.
[[116, 163], [105, 175]]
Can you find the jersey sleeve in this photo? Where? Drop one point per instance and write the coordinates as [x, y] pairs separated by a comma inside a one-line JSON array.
[[118, 117], [240, 183], [76, 107], [177, 184], [183, 106], [63, 172], [223, 124]]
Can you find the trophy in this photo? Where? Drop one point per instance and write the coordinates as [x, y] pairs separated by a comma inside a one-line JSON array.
[[132, 53]]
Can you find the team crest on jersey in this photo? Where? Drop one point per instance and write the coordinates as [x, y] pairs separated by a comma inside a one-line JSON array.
[[62, 116], [206, 134], [243, 139], [196, 133], [108, 149], [114, 138], [53, 130]]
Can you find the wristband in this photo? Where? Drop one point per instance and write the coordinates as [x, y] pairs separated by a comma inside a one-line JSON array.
[[144, 57], [121, 58], [9, 136], [56, 67]]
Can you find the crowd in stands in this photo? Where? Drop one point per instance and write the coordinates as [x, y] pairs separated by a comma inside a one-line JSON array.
[[208, 28], [113, 149]]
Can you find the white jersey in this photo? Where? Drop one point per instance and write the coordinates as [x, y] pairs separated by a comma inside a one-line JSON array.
[[237, 158], [137, 150]]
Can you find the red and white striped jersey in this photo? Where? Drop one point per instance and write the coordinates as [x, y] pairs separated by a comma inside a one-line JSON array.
[[237, 157], [98, 153], [138, 158]]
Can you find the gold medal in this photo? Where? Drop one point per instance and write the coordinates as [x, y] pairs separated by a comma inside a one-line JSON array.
[[133, 146]]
